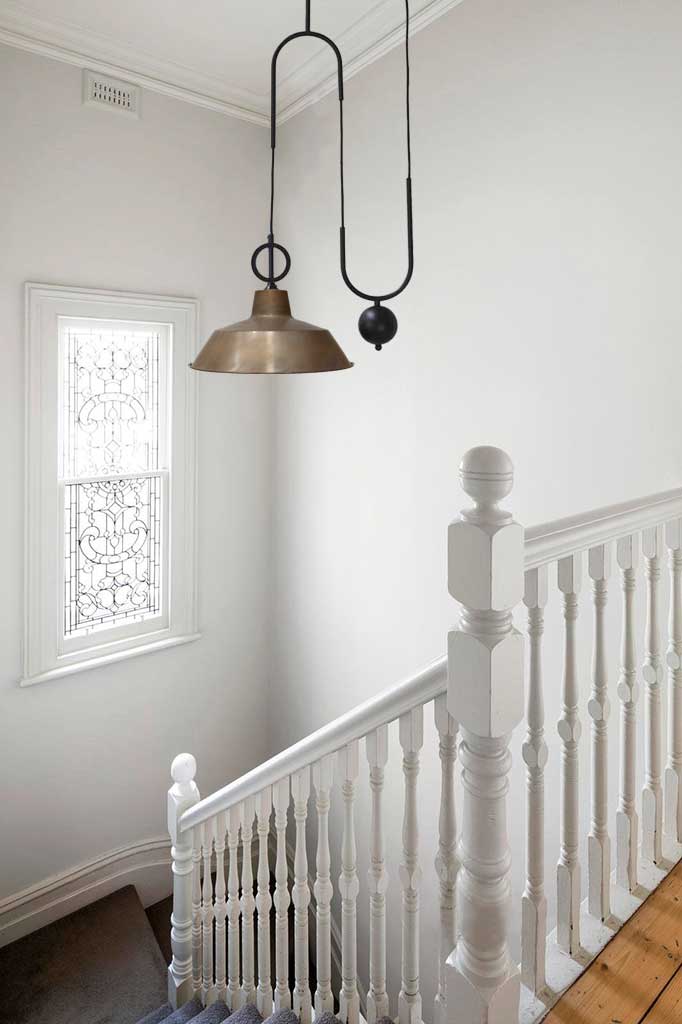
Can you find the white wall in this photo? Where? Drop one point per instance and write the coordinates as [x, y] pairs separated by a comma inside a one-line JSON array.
[[544, 316], [164, 204]]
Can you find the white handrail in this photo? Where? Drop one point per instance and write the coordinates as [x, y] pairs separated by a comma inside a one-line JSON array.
[[385, 707], [543, 544], [551, 541]]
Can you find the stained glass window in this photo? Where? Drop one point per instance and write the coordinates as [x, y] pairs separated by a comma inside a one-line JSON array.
[[111, 462]]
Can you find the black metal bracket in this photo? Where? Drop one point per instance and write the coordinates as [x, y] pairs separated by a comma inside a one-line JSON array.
[[271, 277], [377, 326]]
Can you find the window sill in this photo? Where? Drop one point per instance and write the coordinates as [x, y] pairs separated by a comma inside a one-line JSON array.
[[108, 659]]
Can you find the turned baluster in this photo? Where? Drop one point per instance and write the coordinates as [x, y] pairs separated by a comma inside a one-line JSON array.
[[569, 728], [376, 745], [323, 773], [234, 1000], [300, 894], [182, 795], [196, 910], [599, 709], [446, 861], [485, 696], [411, 733], [247, 904], [207, 912], [652, 674], [280, 799], [534, 901], [673, 769], [349, 1000], [627, 822], [220, 910], [263, 903]]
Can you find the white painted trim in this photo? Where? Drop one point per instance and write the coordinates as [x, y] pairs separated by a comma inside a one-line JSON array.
[[145, 864], [98, 660], [43, 657], [365, 41]]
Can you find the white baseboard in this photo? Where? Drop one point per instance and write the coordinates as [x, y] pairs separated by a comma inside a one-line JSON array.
[[145, 864]]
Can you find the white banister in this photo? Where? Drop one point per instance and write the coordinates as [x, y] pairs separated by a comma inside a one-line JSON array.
[[544, 544], [377, 998], [247, 904], [627, 822], [349, 1000], [354, 725], [673, 770], [323, 774], [234, 1000], [534, 901], [263, 903], [485, 695], [196, 910], [411, 732], [220, 911], [446, 860], [207, 912], [549, 542], [599, 709], [300, 895], [652, 674], [182, 795], [280, 800], [569, 728]]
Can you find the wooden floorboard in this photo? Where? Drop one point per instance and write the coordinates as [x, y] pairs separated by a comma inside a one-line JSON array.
[[624, 983], [668, 1007]]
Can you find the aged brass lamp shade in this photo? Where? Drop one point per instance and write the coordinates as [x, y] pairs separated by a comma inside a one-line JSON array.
[[271, 341]]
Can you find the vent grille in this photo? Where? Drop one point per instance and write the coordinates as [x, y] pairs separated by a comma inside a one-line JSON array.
[[101, 91]]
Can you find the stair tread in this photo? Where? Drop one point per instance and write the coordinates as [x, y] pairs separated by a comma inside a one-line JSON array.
[[194, 1013], [212, 1014], [184, 1013], [120, 972], [157, 1016]]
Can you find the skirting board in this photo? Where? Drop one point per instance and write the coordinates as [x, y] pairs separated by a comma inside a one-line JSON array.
[[144, 864]]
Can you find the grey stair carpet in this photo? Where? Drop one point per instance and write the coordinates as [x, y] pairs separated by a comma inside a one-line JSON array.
[[101, 965], [192, 1013]]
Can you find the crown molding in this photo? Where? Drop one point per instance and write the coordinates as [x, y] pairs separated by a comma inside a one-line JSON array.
[[366, 40], [68, 43]]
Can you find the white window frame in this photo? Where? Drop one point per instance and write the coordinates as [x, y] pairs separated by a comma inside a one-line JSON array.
[[47, 653]]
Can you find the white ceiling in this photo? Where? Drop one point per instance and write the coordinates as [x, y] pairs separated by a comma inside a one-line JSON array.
[[215, 53]]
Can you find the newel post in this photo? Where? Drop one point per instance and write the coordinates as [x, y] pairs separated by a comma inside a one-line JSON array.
[[182, 795], [485, 695]]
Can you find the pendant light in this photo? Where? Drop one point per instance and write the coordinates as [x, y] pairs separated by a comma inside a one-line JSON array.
[[271, 340]]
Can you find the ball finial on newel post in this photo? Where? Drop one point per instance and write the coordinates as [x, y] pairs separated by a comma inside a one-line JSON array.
[[183, 769], [487, 476]]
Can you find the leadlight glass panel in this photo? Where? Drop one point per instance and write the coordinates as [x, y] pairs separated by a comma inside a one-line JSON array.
[[113, 552], [110, 401], [112, 474]]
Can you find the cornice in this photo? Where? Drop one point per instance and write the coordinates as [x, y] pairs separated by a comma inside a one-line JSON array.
[[368, 39]]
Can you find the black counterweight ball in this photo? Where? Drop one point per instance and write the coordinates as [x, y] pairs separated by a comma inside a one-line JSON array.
[[377, 325]]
